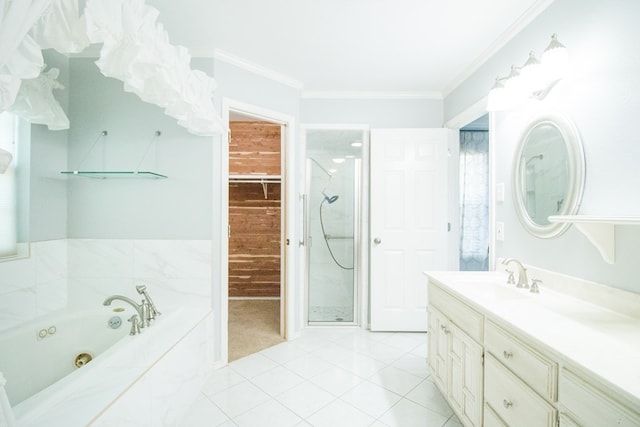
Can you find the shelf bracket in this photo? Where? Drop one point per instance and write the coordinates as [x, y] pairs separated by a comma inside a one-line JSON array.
[[602, 236], [264, 188]]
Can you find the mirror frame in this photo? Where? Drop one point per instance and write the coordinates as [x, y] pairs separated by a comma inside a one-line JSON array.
[[576, 179]]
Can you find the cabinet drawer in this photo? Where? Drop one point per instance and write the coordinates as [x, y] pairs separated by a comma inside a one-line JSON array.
[[514, 402], [591, 406], [491, 419], [466, 318], [539, 372]]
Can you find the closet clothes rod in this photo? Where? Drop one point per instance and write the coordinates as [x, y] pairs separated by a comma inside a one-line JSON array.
[[252, 179]]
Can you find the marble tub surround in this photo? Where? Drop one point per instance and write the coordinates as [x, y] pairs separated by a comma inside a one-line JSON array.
[[584, 334], [74, 273], [176, 272], [33, 285], [155, 372]]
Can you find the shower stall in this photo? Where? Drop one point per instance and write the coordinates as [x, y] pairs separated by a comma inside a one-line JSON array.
[[332, 224]]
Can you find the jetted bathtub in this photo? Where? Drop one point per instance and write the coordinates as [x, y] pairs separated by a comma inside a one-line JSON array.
[[38, 354], [71, 368]]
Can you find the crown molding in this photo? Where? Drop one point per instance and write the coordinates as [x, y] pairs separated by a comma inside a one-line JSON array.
[[518, 25], [256, 69], [310, 94]]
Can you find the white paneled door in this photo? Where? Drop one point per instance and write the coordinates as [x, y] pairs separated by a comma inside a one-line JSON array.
[[409, 205]]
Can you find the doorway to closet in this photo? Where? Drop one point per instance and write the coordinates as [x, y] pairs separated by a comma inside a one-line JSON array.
[[255, 235]]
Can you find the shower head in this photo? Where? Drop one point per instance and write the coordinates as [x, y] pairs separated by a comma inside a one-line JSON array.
[[328, 199]]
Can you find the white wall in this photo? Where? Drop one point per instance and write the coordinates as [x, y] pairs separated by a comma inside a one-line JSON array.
[[377, 113], [602, 97], [175, 208]]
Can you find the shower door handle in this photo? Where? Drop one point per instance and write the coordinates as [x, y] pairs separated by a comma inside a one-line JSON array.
[[303, 242], [377, 241]]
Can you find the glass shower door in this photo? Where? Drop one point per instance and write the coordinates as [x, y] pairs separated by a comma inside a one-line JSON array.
[[333, 204]]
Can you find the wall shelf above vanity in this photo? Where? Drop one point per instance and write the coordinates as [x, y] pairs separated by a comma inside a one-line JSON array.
[[599, 230]]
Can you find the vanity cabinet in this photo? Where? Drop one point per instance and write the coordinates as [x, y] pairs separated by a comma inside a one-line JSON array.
[[498, 368], [455, 358]]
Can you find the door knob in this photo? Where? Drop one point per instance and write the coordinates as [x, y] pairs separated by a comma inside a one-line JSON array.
[[377, 241]]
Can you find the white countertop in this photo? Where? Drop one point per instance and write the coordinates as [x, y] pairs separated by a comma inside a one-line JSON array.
[[593, 338]]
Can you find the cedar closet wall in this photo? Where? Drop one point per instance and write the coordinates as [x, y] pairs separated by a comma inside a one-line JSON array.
[[254, 209]]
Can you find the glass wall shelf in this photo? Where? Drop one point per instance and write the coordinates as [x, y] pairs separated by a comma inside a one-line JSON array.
[[115, 174]]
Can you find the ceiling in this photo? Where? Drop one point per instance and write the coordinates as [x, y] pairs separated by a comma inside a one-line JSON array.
[[413, 48]]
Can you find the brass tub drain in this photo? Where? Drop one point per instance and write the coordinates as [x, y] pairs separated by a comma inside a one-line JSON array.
[[82, 359]]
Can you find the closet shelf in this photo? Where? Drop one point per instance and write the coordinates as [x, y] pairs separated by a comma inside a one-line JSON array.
[[257, 179], [115, 174], [599, 230]]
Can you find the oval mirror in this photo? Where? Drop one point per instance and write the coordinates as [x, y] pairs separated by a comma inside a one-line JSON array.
[[548, 174]]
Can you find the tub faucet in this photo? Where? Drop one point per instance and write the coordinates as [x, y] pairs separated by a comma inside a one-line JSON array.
[[523, 282], [142, 308], [152, 310]]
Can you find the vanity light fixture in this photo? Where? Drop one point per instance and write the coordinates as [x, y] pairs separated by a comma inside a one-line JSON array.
[[534, 79], [555, 59]]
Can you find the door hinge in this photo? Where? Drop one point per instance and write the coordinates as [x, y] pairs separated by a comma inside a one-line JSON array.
[[448, 226]]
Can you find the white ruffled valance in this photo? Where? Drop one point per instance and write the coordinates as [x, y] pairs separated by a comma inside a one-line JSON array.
[[20, 55], [135, 49]]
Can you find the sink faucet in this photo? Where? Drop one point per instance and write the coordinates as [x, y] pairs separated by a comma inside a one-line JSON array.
[[142, 309], [523, 282]]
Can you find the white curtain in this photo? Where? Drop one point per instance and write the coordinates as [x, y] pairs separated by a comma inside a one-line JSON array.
[[474, 200], [135, 50], [8, 214], [20, 55]]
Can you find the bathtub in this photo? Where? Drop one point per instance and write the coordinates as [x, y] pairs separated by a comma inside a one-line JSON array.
[[75, 368], [40, 353]]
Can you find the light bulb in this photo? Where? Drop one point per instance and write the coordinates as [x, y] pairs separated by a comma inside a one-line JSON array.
[[531, 74], [555, 60]]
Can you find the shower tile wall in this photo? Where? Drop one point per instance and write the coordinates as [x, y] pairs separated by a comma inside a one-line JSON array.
[[332, 298], [80, 273]]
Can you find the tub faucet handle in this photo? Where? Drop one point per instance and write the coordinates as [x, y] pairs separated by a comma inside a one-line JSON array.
[[135, 325]]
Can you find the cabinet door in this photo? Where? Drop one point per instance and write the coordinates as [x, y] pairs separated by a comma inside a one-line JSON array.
[[438, 347], [567, 421], [465, 377]]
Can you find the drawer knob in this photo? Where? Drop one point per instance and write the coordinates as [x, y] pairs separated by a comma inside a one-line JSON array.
[[444, 329], [507, 354], [507, 404]]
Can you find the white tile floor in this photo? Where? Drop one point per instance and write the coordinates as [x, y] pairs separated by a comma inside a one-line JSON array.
[[328, 377]]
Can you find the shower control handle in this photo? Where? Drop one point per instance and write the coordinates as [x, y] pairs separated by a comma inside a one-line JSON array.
[[377, 241]]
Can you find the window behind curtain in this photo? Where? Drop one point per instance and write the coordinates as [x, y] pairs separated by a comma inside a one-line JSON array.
[[8, 210], [474, 200]]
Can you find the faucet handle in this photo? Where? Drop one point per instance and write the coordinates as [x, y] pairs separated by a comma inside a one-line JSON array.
[[135, 325], [534, 286], [510, 280]]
